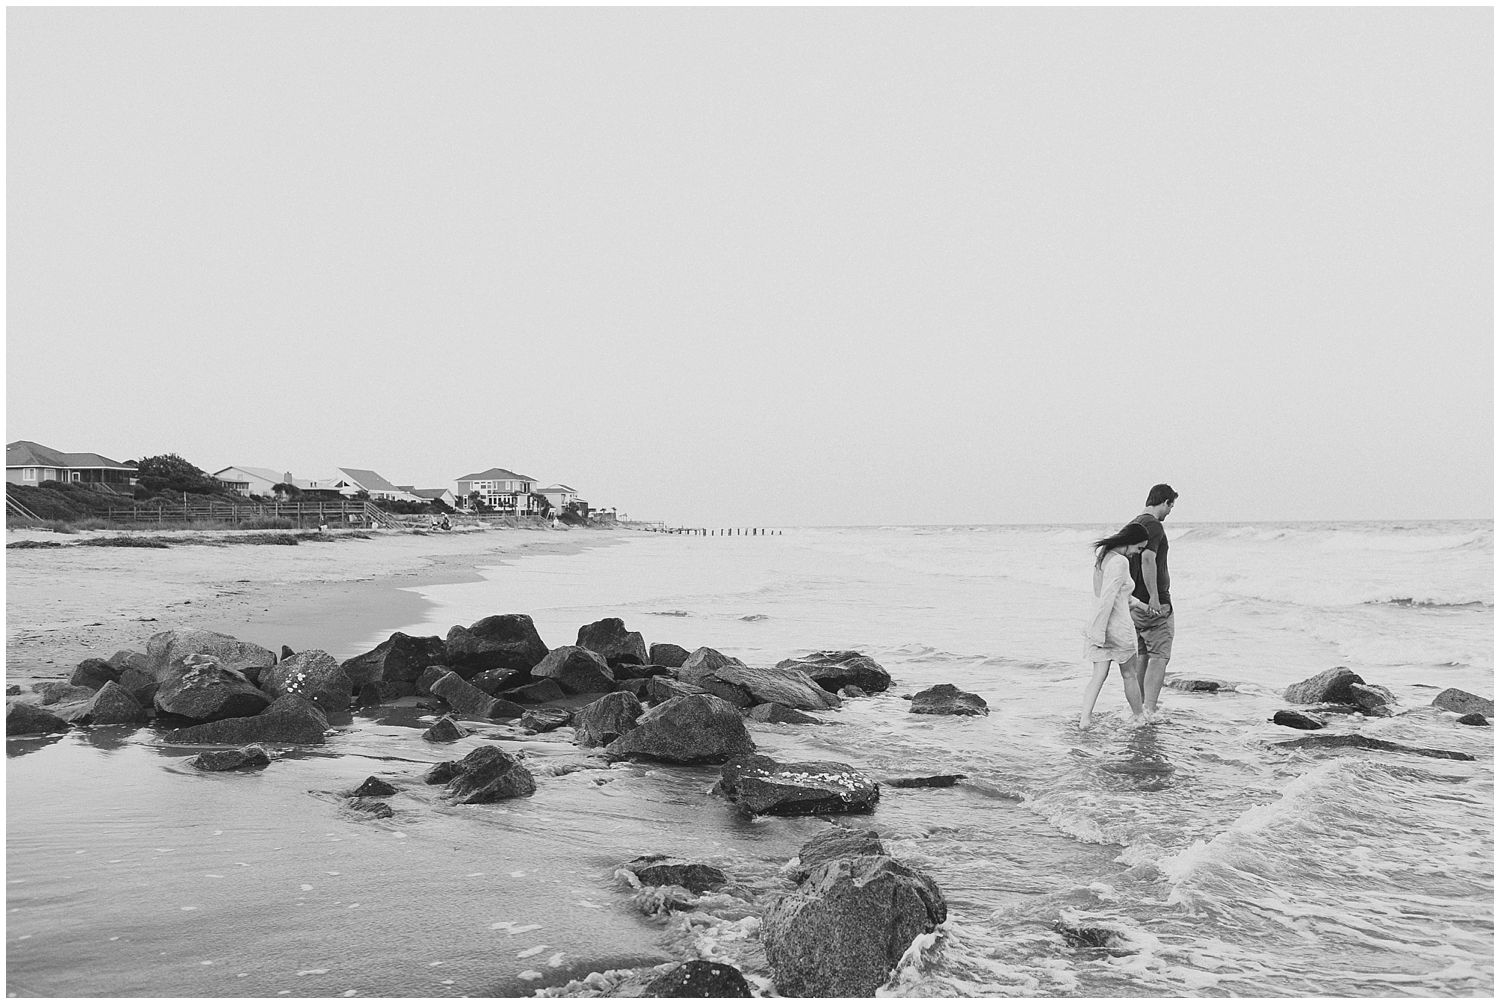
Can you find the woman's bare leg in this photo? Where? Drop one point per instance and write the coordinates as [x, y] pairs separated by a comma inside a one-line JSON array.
[[1130, 673], [1091, 693]]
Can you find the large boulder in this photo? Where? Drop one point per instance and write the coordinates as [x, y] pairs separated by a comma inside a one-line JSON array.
[[487, 774], [471, 702], [94, 673], [577, 670], [663, 869], [703, 660], [396, 664], [23, 719], [1462, 702], [835, 670], [699, 728], [433, 674], [1372, 699], [165, 650], [1328, 687], [608, 639], [840, 933], [545, 719], [289, 719], [832, 844], [492, 681], [199, 687], [312, 674], [112, 704], [700, 978], [763, 787], [946, 699], [664, 653], [535, 692], [746, 686], [606, 720], [660, 689], [51, 692], [502, 641]]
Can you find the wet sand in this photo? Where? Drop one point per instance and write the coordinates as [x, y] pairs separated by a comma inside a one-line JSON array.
[[70, 603]]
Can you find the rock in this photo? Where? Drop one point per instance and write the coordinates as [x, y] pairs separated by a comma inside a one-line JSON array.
[[1197, 686], [1082, 936], [609, 640], [834, 670], [662, 869], [606, 720], [379, 810], [841, 932], [536, 692], [127, 658], [1463, 702], [545, 719], [50, 692], [166, 649], [764, 787], [433, 674], [832, 844], [931, 781], [470, 701], [666, 654], [780, 714], [577, 670], [700, 978], [141, 683], [1297, 720], [504, 641], [12, 690], [851, 691], [1473, 718], [111, 705], [286, 652], [373, 787], [252, 756], [198, 687], [396, 663], [1372, 699], [289, 719], [699, 728], [1329, 687], [23, 719], [946, 699], [1365, 742], [637, 671], [703, 660], [94, 673], [312, 674], [368, 696], [746, 686], [487, 774], [445, 730], [660, 689], [492, 681]]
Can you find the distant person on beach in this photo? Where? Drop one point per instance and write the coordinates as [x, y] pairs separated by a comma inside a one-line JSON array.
[[1151, 601], [1110, 632]]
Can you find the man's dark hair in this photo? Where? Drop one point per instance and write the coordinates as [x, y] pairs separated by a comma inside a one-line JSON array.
[[1160, 494]]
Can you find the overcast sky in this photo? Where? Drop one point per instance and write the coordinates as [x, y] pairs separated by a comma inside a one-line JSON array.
[[770, 266]]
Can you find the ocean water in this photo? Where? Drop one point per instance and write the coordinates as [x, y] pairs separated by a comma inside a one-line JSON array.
[[1204, 859]]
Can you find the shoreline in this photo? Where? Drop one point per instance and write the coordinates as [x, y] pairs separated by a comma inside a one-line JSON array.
[[70, 603]]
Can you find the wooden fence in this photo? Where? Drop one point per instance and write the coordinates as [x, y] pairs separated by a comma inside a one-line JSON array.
[[343, 513]]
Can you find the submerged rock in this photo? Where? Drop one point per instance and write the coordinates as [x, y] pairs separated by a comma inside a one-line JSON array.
[[1463, 702], [700, 978], [762, 786], [841, 932], [699, 728], [1365, 742], [252, 757], [1297, 720], [1372, 699], [487, 774], [609, 640], [606, 720], [663, 869], [930, 781], [780, 714], [835, 670], [445, 730], [1197, 686], [373, 787], [1473, 718], [1328, 687], [946, 699]]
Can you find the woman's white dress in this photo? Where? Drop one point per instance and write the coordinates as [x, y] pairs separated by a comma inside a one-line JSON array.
[[1110, 632]]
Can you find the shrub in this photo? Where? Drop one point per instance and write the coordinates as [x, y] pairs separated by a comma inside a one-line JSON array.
[[58, 525], [267, 523]]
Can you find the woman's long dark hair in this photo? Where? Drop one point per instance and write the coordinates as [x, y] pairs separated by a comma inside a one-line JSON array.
[[1130, 533]]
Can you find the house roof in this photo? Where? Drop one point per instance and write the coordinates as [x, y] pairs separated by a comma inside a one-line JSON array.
[[368, 480], [264, 473], [495, 474], [24, 453], [430, 493]]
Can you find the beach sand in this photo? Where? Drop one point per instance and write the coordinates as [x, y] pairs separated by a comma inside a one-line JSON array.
[[70, 603]]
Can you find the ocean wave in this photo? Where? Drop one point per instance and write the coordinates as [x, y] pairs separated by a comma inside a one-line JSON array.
[[1429, 604]]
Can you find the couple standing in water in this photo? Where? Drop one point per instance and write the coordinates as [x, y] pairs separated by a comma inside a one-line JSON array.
[[1132, 622]]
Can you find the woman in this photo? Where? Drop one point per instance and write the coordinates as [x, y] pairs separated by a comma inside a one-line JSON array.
[[1110, 631]]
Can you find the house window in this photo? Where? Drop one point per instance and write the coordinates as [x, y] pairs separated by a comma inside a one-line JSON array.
[[29, 474]]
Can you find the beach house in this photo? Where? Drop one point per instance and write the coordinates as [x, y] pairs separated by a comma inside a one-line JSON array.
[[28, 463], [561, 495], [501, 490], [352, 480], [443, 495], [251, 480]]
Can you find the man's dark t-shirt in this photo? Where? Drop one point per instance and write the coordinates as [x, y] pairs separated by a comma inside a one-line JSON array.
[[1156, 540]]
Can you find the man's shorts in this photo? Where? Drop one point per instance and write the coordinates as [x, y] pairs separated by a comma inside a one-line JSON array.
[[1153, 633]]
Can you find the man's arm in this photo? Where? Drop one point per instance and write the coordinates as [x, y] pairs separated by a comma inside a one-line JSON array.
[[1148, 572]]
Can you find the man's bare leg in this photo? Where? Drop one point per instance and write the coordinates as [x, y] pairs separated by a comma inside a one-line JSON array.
[[1156, 674], [1130, 673]]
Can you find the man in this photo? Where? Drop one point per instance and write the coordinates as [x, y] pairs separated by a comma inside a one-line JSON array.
[[1151, 602]]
